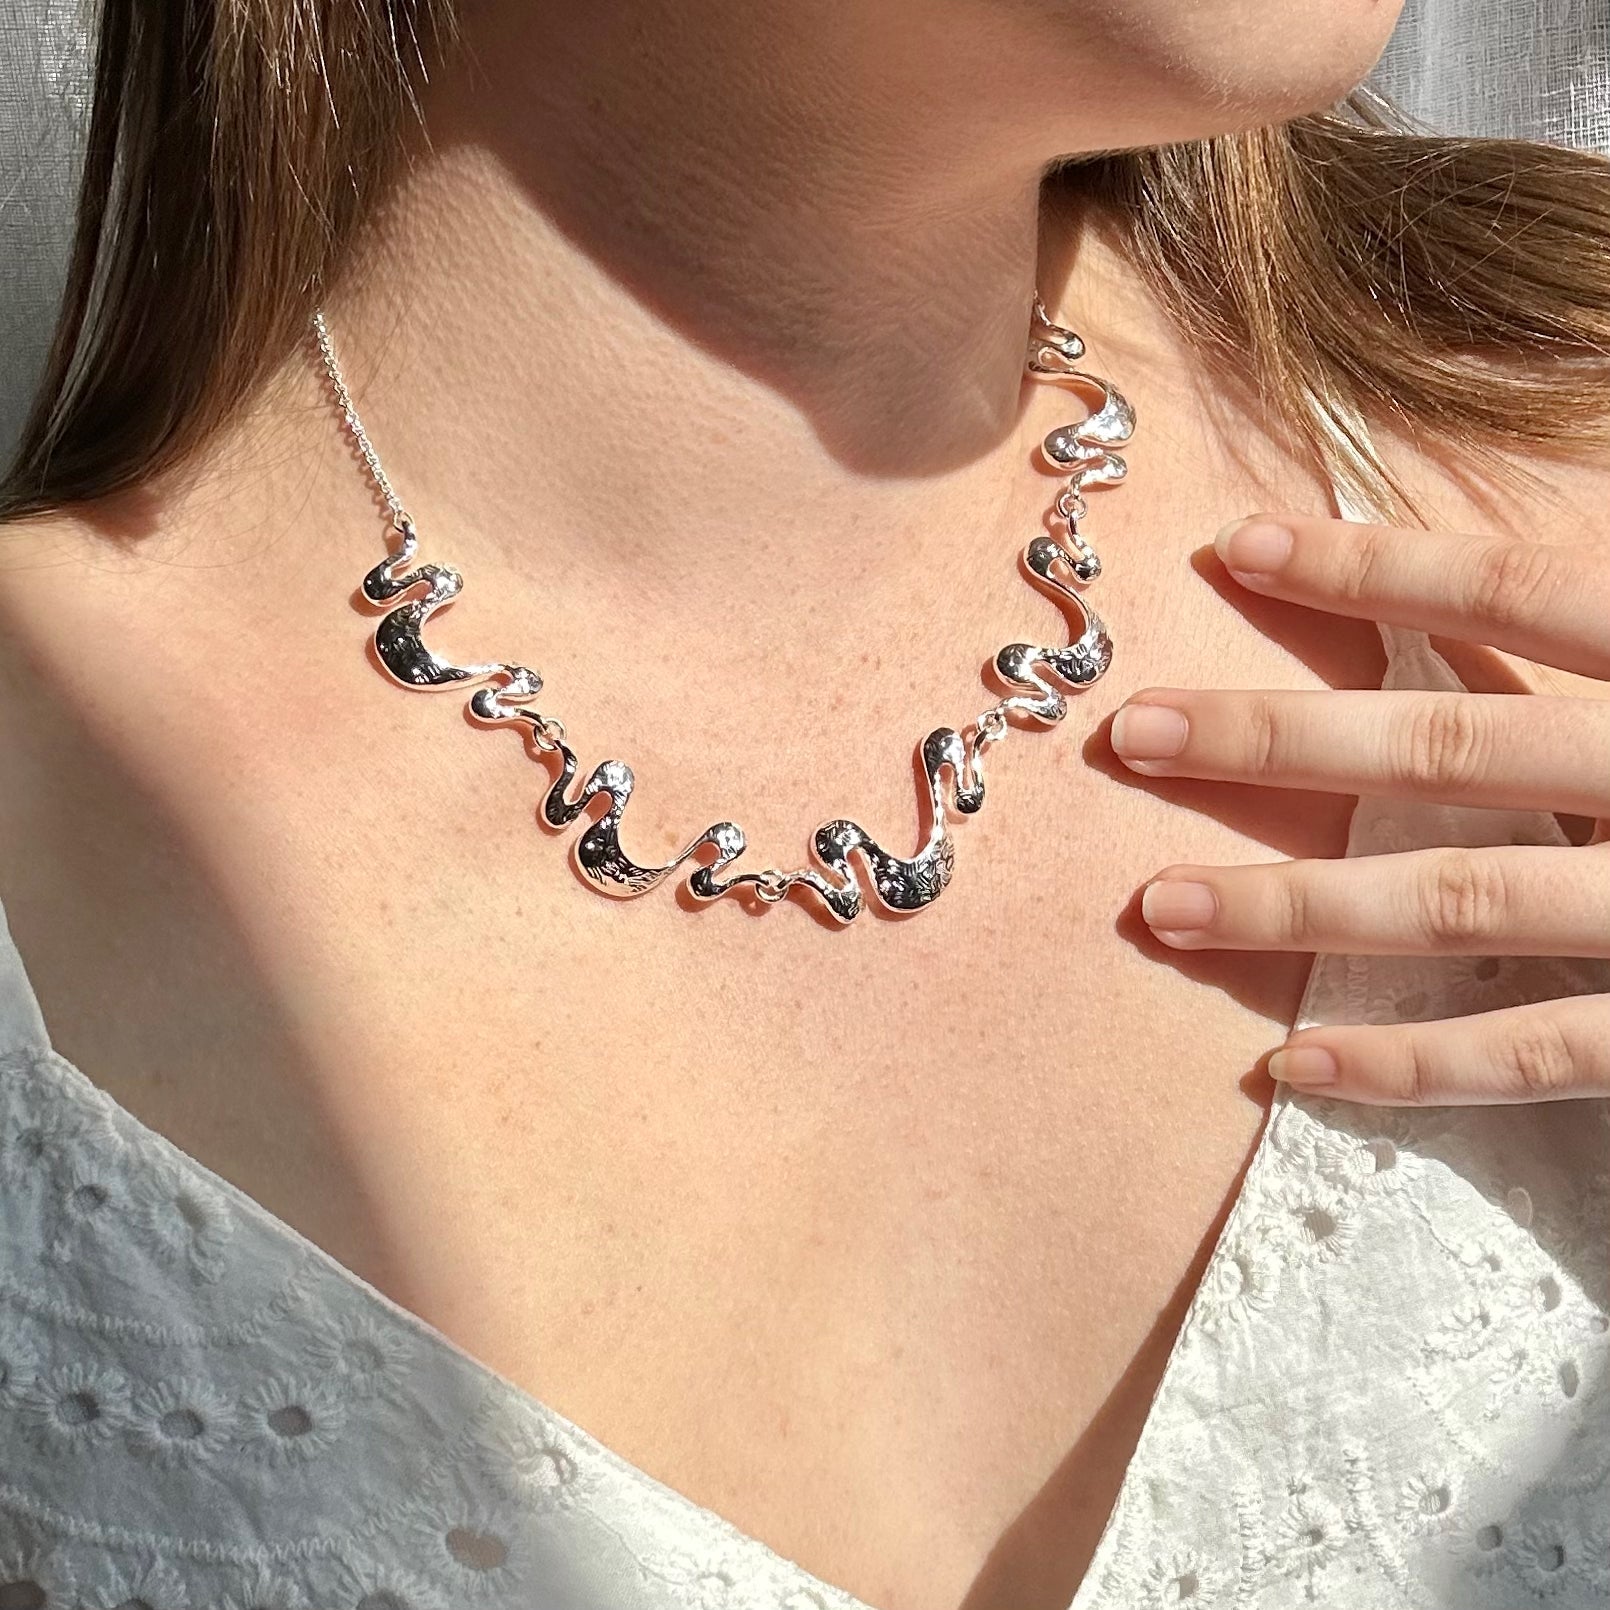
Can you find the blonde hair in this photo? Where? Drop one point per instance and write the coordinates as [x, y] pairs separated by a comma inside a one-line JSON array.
[[1337, 266]]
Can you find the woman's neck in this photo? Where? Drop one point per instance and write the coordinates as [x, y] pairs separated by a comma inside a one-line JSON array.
[[695, 285], [726, 314]]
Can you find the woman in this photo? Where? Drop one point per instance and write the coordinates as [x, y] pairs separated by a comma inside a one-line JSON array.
[[422, 1229]]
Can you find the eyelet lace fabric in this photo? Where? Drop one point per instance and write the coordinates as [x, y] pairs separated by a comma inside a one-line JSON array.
[[1391, 1390]]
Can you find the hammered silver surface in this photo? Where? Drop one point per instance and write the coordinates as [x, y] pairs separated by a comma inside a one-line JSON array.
[[1083, 453]]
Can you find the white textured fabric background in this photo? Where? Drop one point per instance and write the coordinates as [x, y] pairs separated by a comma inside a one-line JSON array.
[[44, 96], [1530, 69], [1537, 68]]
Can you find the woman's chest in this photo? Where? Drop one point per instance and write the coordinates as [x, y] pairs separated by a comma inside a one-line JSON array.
[[786, 1214]]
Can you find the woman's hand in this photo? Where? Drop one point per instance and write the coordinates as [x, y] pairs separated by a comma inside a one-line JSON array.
[[1547, 603]]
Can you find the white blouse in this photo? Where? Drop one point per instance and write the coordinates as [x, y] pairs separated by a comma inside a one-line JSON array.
[[1391, 1390]]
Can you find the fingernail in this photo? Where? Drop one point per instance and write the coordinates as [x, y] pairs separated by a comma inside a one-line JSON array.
[[1307, 1065], [1148, 732], [1253, 548], [1170, 905]]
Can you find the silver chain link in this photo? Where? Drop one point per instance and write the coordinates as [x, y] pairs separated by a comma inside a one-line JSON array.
[[349, 411], [991, 725], [1055, 351], [771, 884]]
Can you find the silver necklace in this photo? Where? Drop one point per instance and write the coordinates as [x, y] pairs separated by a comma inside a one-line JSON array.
[[1084, 452]]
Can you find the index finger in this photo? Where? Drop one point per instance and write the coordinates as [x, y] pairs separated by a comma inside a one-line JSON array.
[[1548, 602]]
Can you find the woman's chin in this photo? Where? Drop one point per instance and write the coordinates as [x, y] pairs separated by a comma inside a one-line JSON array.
[[1179, 71]]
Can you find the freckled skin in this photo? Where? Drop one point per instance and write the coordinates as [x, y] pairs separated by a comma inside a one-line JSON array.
[[787, 1213]]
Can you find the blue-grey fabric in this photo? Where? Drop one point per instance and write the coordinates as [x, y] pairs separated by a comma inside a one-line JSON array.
[[1523, 69]]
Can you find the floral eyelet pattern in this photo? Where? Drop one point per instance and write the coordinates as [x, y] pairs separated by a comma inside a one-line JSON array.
[[468, 1554], [1182, 1580], [284, 1421], [73, 1408], [367, 1356], [33, 1577], [180, 1420], [142, 1584], [16, 1360], [531, 1463], [264, 1589], [184, 1220], [361, 1585]]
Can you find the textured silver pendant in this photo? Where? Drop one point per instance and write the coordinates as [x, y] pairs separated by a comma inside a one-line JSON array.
[[952, 761]]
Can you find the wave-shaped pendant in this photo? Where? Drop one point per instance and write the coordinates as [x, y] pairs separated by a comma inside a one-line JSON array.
[[952, 761]]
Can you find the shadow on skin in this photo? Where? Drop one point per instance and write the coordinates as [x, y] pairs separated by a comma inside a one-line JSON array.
[[1278, 817], [1291, 822], [854, 429], [144, 975], [127, 516], [1314, 636], [1042, 1558]]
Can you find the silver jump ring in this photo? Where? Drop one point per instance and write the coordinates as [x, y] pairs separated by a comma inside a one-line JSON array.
[[409, 594], [1071, 505], [991, 725], [771, 886]]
